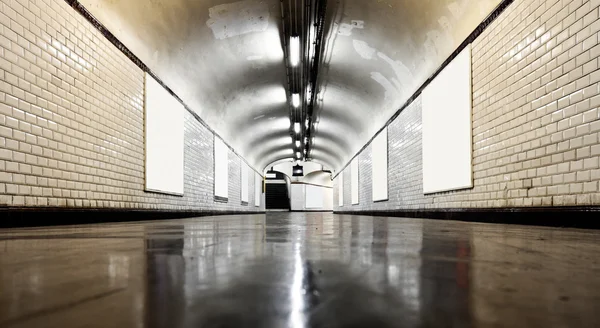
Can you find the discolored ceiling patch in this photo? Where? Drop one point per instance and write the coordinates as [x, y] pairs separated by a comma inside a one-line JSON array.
[[363, 49], [238, 18], [346, 29]]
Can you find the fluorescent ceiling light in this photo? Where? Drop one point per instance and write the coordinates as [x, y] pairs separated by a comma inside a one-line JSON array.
[[295, 51], [296, 100], [297, 127], [297, 143]]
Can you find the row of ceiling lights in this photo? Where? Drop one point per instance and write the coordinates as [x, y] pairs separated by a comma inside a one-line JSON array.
[[294, 62], [303, 22], [296, 102]]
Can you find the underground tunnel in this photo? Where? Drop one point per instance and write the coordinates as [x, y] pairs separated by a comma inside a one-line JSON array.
[[299, 163]]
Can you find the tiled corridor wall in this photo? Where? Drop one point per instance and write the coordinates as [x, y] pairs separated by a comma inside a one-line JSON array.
[[535, 117], [71, 120]]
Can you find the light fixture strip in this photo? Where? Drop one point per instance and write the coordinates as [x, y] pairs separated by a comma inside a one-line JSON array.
[[295, 51], [295, 100]]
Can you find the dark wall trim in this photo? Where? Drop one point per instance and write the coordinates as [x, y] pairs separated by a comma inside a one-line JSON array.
[[219, 199], [309, 211], [587, 217], [311, 184], [39, 217], [474, 35], [78, 7]]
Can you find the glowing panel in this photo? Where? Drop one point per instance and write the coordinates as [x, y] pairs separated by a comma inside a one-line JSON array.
[[380, 166], [314, 197], [244, 182], [447, 128], [354, 180], [164, 139], [221, 169], [257, 189]]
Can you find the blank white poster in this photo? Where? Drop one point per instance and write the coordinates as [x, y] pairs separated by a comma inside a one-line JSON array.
[[314, 197], [327, 199], [354, 181], [164, 139], [380, 166], [341, 189], [221, 169], [447, 128], [257, 189], [244, 182]]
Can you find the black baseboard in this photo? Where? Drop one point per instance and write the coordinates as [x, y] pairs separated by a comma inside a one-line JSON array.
[[39, 217], [572, 217], [307, 211], [583, 217]]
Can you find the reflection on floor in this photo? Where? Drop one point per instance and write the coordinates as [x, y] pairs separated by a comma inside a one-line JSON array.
[[299, 270]]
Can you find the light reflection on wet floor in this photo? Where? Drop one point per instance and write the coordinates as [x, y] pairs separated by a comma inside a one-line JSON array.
[[299, 270]]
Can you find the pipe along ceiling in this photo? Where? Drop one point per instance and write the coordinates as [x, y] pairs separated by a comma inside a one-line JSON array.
[[302, 79]]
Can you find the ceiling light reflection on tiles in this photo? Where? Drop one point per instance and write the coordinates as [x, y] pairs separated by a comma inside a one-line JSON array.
[[261, 96], [278, 142], [272, 47], [279, 123], [286, 154]]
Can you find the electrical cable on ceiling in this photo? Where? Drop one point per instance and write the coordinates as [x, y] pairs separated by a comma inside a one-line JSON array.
[[303, 30]]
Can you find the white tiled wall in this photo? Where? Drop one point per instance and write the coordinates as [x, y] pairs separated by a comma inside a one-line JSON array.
[[71, 120], [535, 117]]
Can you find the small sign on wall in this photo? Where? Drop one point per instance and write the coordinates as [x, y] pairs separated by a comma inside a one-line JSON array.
[[341, 189], [258, 182], [245, 186], [314, 197], [379, 149], [221, 169], [354, 181]]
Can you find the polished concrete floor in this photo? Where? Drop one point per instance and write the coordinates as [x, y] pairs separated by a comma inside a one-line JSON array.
[[299, 270]]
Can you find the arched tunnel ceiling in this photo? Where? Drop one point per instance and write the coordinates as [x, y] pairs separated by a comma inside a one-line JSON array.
[[225, 60]]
